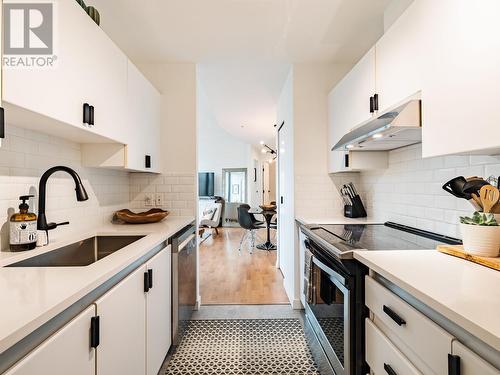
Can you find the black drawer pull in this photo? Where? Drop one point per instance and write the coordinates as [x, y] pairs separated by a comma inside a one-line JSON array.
[[389, 369], [392, 314], [94, 332], [453, 364], [150, 278], [146, 282], [372, 104]]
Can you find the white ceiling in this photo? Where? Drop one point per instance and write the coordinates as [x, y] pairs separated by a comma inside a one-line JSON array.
[[244, 47]]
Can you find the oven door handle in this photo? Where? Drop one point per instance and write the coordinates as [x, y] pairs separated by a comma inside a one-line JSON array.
[[329, 271]]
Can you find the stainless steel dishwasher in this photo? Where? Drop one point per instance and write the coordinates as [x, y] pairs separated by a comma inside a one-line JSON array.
[[183, 280]]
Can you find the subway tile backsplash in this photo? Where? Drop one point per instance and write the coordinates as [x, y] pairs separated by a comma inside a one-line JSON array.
[[26, 154], [409, 191], [175, 190]]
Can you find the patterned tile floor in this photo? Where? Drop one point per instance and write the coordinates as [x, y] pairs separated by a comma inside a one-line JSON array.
[[243, 346]]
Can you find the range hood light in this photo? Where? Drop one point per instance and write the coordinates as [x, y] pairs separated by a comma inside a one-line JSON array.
[[399, 127]]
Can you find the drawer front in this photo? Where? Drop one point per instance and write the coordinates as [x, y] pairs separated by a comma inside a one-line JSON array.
[[426, 339], [382, 356], [470, 363]]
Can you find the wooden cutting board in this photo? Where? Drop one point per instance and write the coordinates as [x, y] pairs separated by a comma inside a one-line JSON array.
[[458, 251]]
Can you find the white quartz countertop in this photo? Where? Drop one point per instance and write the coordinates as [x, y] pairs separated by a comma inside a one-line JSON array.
[[304, 219], [464, 292], [29, 297]]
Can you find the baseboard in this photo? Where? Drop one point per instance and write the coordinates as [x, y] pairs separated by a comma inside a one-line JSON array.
[[198, 303], [297, 304]]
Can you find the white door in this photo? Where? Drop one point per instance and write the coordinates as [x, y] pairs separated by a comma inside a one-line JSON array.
[[158, 311], [66, 352], [122, 314], [471, 363], [265, 183], [461, 76], [399, 58], [143, 121]]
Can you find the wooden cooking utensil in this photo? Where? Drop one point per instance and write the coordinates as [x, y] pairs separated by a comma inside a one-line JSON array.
[[489, 197], [477, 199]]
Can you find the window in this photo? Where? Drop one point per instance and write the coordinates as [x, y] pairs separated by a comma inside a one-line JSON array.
[[235, 185]]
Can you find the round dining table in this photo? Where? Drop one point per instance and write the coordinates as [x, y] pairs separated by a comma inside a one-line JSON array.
[[268, 216]]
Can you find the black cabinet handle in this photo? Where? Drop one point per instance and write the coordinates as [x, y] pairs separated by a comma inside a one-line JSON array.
[[453, 364], [146, 282], [86, 113], [394, 316], [2, 123], [150, 278], [375, 102], [94, 332], [148, 161], [91, 115], [372, 104], [389, 369]]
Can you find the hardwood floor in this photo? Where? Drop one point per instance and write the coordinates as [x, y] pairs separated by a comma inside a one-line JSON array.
[[226, 277]]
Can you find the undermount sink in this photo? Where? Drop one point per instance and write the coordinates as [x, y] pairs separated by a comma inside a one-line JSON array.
[[81, 253]]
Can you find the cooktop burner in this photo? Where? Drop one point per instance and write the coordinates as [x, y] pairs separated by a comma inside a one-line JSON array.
[[388, 236]]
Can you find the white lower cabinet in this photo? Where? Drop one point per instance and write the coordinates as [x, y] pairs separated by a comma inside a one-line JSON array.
[[158, 311], [402, 339], [133, 331], [424, 338], [66, 352], [382, 356], [470, 363], [122, 315]]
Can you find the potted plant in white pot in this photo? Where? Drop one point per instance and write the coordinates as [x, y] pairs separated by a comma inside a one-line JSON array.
[[480, 234]]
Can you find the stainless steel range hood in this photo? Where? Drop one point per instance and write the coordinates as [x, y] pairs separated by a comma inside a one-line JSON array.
[[399, 127]]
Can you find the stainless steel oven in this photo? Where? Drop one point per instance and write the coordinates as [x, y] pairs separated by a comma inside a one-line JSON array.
[[183, 280], [329, 310]]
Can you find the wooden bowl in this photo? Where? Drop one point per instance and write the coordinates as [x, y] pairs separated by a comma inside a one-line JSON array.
[[268, 207], [152, 216]]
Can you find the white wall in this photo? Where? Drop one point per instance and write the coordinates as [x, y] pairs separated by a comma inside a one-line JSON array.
[[303, 167], [315, 194], [287, 253], [26, 154], [217, 149]]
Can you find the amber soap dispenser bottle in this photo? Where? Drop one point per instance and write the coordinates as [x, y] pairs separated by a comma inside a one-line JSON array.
[[23, 232]]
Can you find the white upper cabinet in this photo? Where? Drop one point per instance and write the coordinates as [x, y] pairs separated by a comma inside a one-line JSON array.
[[143, 122], [57, 93], [350, 100], [106, 88], [89, 69], [399, 59], [461, 76]]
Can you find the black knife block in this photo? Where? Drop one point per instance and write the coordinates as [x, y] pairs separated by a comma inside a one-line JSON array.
[[356, 209]]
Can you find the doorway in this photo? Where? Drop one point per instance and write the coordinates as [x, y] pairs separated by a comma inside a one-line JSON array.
[[234, 187]]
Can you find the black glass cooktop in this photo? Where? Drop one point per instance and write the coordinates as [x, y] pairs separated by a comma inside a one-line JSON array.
[[388, 236]]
